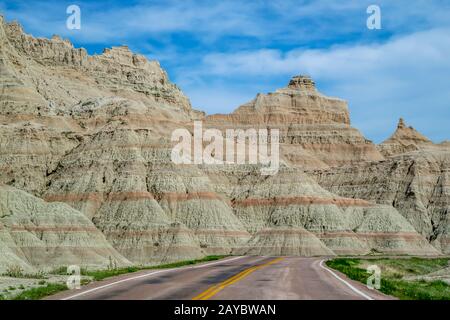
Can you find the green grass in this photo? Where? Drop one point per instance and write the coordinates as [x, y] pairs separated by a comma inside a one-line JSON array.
[[393, 271], [410, 266], [41, 292], [98, 275]]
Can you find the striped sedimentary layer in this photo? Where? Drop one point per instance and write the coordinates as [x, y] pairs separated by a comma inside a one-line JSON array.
[[290, 197], [290, 207], [10, 255], [37, 234], [284, 241], [383, 229], [29, 152]]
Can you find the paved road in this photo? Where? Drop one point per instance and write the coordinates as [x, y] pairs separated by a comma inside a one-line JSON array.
[[254, 278]]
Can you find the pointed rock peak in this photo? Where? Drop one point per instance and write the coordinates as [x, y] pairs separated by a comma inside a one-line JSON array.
[[407, 135], [401, 124], [302, 82]]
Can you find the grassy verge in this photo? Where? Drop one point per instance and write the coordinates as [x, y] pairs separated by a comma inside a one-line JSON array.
[[393, 273], [98, 275], [41, 292]]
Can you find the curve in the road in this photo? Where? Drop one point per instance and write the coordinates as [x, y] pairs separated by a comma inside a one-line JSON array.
[[362, 294], [249, 277]]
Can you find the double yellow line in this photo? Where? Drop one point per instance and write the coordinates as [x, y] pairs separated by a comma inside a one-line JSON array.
[[220, 286]]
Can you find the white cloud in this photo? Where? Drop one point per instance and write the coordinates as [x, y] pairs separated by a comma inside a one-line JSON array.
[[266, 21], [414, 52], [102, 22], [406, 76]]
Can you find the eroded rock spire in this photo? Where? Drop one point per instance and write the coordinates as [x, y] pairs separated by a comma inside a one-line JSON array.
[[302, 82]]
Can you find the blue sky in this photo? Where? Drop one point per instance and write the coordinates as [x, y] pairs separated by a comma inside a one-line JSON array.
[[221, 53]]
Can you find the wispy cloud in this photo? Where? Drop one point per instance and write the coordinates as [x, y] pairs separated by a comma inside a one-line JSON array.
[[266, 21]]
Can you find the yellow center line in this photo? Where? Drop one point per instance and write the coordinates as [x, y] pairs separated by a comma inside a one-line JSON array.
[[210, 292]]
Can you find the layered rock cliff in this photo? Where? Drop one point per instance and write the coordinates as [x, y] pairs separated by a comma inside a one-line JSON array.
[[315, 130]]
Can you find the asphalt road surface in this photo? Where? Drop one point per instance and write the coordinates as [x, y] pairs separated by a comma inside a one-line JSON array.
[[253, 278]]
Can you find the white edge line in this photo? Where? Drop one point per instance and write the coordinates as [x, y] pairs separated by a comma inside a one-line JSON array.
[[147, 275], [345, 282]]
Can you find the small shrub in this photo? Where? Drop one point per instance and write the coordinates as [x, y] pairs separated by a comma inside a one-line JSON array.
[[112, 265], [14, 271], [60, 270], [41, 274]]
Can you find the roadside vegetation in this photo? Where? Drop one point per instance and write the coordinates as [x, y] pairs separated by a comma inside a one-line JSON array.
[[15, 271], [44, 287], [41, 292], [397, 276]]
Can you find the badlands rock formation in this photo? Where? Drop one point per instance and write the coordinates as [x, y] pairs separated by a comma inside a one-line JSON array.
[[403, 140], [315, 129], [86, 173], [416, 182], [293, 200]]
